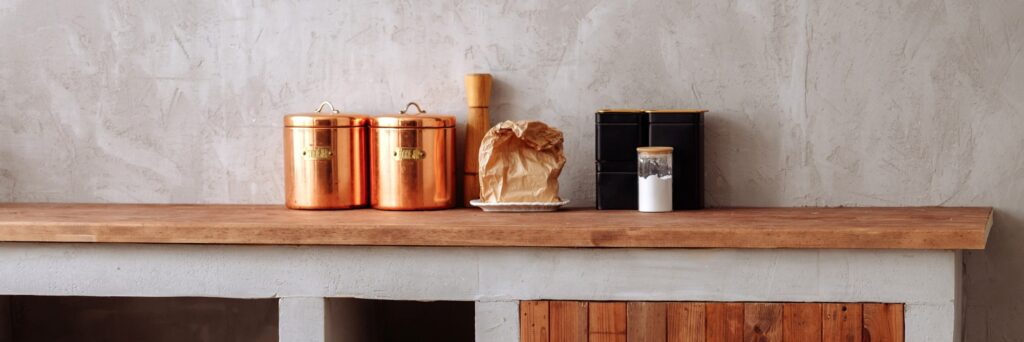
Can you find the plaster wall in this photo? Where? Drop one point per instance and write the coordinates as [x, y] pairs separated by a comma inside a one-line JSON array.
[[867, 102]]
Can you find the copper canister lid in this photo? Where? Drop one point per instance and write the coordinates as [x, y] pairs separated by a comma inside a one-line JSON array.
[[320, 118], [419, 119]]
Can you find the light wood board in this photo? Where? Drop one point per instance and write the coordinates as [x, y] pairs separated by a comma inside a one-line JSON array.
[[891, 228]]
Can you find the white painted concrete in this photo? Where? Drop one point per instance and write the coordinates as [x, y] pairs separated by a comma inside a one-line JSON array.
[[497, 321], [931, 322], [718, 275], [925, 280], [427, 273], [959, 310], [301, 319]]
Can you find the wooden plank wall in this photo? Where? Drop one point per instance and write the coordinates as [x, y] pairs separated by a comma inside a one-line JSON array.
[[574, 321], [607, 322]]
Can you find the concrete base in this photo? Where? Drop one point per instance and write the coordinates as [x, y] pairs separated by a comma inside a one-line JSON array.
[[301, 319], [497, 321], [927, 281]]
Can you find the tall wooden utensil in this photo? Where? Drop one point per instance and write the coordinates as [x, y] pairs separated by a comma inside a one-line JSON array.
[[478, 97]]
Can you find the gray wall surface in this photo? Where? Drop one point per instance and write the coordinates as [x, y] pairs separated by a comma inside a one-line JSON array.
[[814, 103]]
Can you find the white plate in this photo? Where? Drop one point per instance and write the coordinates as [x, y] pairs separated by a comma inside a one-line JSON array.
[[518, 206]]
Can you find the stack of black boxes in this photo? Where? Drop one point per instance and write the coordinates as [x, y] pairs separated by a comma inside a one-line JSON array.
[[620, 131]]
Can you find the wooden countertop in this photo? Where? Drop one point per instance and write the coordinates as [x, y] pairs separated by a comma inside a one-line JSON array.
[[900, 228]]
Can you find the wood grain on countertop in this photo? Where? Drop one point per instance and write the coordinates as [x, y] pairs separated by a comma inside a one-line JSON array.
[[890, 228]]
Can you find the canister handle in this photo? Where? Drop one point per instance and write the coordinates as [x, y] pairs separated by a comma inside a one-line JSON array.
[[328, 104], [411, 104]]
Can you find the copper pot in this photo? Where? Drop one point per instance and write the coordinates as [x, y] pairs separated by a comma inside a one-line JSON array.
[[412, 161], [325, 160]]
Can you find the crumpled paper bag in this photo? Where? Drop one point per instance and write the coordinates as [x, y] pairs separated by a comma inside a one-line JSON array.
[[520, 162]]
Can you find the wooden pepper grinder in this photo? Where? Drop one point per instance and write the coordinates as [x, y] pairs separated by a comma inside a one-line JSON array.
[[478, 97]]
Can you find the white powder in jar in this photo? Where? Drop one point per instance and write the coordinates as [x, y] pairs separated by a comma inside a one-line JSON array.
[[655, 193]]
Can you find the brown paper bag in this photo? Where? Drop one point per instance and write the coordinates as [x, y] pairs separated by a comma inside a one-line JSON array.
[[520, 162]]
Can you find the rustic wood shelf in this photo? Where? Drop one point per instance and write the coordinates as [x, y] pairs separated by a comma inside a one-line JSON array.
[[888, 228]]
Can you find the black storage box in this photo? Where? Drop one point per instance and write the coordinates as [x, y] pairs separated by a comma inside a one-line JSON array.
[[620, 131], [683, 130]]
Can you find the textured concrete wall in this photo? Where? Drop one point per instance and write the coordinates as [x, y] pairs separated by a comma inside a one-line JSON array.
[[868, 102]]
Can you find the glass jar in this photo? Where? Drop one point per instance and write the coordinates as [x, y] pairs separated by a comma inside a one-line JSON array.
[[654, 177]]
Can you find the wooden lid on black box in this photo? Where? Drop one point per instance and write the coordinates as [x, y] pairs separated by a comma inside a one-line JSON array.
[[629, 116], [675, 116]]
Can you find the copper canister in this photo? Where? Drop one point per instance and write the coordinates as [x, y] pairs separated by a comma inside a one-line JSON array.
[[412, 161], [325, 160]]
